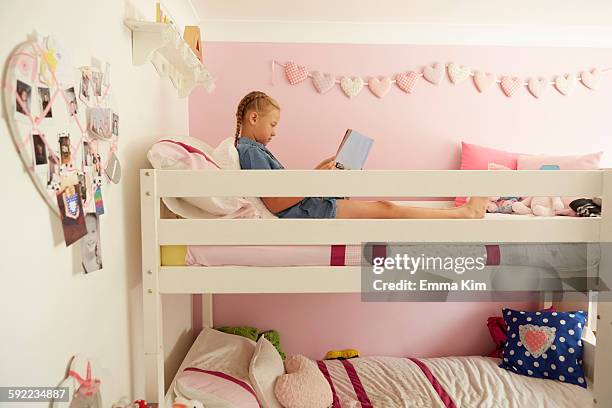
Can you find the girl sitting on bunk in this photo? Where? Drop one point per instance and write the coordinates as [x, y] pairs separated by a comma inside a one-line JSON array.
[[257, 117]]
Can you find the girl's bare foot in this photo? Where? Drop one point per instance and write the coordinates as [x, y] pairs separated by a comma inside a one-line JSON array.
[[476, 207]]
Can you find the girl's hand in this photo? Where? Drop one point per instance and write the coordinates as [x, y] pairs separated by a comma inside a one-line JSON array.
[[327, 164]]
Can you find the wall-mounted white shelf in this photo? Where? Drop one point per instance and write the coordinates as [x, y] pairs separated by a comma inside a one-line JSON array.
[[163, 45]]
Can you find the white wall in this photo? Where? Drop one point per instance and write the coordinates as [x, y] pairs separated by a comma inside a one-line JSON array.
[[49, 310]]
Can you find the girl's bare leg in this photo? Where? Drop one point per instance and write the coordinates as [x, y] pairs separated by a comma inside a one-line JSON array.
[[475, 208]]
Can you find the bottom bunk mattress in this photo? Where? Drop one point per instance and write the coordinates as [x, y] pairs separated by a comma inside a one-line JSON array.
[[446, 382]]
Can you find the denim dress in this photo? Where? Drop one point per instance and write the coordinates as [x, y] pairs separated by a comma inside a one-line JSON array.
[[255, 156]]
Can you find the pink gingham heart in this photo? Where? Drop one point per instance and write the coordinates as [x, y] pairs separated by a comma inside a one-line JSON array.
[[434, 73], [379, 86], [351, 86], [458, 73], [483, 80], [295, 73], [406, 81], [590, 79], [537, 339], [510, 85], [323, 82], [565, 83], [537, 86]]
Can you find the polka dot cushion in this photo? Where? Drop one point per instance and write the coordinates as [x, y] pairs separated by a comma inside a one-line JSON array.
[[545, 345]]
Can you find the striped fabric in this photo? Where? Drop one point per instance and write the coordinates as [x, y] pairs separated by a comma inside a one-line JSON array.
[[383, 382]]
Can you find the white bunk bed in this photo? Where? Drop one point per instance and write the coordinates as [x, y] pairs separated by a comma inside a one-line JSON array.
[[156, 232]]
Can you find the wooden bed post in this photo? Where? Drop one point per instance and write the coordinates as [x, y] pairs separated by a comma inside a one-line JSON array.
[[603, 350], [152, 312]]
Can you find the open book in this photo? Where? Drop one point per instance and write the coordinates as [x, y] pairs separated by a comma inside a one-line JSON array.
[[353, 151]]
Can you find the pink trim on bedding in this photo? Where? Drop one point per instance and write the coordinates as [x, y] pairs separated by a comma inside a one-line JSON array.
[[219, 374], [379, 251], [446, 399], [325, 371], [493, 255], [192, 149], [337, 255], [357, 385]]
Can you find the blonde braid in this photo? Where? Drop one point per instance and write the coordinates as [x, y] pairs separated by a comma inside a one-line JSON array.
[[250, 101]]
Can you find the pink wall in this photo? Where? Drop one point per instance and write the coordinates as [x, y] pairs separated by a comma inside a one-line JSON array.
[[418, 131]]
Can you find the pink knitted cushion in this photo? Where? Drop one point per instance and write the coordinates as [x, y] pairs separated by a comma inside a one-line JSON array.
[[304, 386]]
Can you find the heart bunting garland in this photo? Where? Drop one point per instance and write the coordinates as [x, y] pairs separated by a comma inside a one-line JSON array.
[[380, 85]]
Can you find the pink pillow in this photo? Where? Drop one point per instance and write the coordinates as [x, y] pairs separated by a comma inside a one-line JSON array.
[[475, 157], [576, 162], [177, 155]]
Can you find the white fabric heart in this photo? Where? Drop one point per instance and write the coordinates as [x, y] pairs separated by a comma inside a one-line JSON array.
[[590, 79], [351, 86], [379, 86], [537, 339], [537, 86], [483, 80], [434, 73], [565, 83], [458, 73], [323, 82]]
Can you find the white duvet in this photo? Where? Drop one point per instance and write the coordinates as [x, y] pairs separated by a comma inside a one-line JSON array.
[[462, 382]]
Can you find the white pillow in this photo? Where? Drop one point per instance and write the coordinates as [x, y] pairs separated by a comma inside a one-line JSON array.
[[226, 156], [266, 366], [175, 154], [218, 374]]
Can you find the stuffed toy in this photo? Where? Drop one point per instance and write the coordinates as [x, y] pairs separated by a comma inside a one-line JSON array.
[[500, 204], [540, 206], [304, 386]]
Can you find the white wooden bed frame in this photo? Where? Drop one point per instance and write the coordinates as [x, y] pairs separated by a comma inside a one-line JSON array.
[[158, 280]]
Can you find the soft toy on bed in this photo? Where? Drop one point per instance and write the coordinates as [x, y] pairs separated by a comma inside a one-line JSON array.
[[304, 386], [501, 204], [540, 206]]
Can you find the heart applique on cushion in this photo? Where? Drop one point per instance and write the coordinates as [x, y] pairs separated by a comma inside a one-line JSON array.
[[323, 82], [379, 86], [483, 80], [537, 339], [434, 73], [537, 86], [590, 79], [406, 81], [351, 86], [458, 73], [295, 73]]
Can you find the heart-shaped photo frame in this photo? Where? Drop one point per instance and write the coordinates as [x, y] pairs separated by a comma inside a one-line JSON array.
[[61, 124]]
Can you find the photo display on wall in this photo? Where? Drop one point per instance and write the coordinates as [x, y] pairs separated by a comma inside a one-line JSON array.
[[66, 131]]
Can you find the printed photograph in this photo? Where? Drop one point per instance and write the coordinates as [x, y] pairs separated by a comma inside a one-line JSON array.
[[45, 99], [115, 124], [40, 150], [99, 122], [86, 154], [71, 212], [24, 98], [85, 85], [65, 151], [83, 186], [53, 182], [97, 83], [73, 108], [91, 249]]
